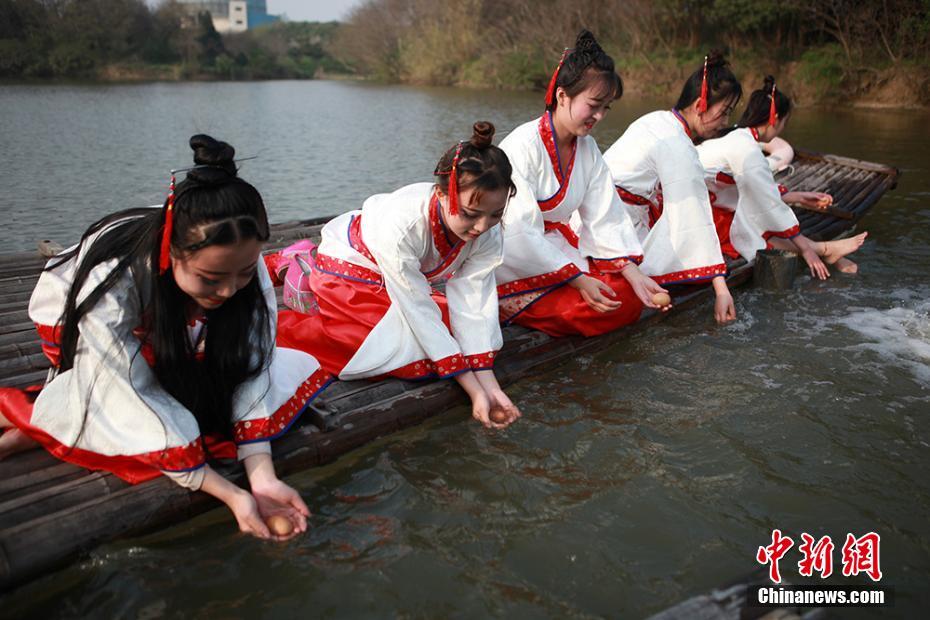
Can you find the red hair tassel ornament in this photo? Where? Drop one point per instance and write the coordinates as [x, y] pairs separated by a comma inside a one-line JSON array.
[[772, 114], [164, 254], [454, 182], [550, 92], [702, 102]]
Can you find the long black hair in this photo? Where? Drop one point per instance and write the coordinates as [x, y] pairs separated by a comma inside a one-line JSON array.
[[212, 206], [486, 166], [722, 85], [585, 65], [760, 103]]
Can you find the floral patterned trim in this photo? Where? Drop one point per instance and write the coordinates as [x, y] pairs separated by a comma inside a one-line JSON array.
[[425, 369], [614, 265], [691, 275], [178, 459], [481, 361], [345, 269], [725, 179], [547, 135], [540, 282], [755, 134], [438, 229], [782, 189], [264, 429], [355, 238]]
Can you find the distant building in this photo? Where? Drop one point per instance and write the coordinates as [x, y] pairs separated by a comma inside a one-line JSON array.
[[233, 15]]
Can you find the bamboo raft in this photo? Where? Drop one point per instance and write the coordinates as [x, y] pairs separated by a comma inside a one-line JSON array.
[[53, 512]]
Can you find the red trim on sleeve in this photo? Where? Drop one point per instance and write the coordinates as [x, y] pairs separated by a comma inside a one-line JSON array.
[[263, 429], [534, 283]]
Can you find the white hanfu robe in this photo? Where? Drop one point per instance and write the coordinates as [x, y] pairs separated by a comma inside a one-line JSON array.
[[557, 227], [740, 179], [392, 253], [656, 170], [109, 411]]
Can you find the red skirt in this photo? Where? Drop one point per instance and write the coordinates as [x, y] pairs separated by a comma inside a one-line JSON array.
[[16, 406], [349, 310], [723, 220], [563, 312]]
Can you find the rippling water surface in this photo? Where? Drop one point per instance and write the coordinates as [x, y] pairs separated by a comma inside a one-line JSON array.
[[637, 477]]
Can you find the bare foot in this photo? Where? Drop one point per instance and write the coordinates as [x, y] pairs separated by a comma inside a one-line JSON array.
[[14, 440], [846, 266], [835, 250]]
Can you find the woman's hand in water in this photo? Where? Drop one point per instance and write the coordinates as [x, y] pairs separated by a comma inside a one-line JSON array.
[[245, 509], [595, 293], [277, 498], [724, 308]]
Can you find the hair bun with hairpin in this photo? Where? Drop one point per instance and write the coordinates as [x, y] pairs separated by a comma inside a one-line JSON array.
[[482, 135], [768, 83], [217, 157]]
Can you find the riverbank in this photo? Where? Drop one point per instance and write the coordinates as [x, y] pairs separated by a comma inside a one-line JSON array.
[[904, 87]]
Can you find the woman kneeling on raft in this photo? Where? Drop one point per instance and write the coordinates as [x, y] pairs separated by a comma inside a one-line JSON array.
[[375, 269], [570, 251], [660, 181], [160, 328], [749, 210]]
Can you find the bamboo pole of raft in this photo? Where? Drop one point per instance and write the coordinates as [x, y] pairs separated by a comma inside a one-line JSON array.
[[51, 511]]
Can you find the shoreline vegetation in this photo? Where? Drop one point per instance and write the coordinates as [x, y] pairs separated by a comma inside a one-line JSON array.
[[866, 54]]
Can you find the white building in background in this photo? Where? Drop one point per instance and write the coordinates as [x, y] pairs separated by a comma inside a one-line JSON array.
[[232, 16]]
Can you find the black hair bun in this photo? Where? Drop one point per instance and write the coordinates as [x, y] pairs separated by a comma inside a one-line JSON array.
[[768, 84], [715, 58], [214, 153], [586, 45], [482, 134]]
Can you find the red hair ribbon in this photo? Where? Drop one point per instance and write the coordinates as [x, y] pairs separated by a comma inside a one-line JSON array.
[[702, 102], [772, 114], [164, 255], [550, 92], [454, 183]]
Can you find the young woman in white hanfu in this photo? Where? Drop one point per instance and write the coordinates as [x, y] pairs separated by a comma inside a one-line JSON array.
[[750, 210], [660, 181], [160, 327], [374, 273], [570, 252]]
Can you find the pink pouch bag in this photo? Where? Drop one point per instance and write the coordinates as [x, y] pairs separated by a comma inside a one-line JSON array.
[[297, 259]]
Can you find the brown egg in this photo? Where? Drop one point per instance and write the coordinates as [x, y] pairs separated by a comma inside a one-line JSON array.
[[499, 415], [279, 525], [661, 299]]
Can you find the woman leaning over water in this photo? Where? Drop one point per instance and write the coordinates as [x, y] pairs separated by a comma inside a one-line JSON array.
[[160, 327], [660, 181], [749, 210]]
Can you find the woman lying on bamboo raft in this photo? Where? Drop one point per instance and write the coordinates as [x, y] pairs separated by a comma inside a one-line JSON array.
[[160, 326], [570, 251], [750, 212], [660, 181], [373, 277]]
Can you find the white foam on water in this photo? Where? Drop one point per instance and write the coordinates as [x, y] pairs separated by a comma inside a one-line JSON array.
[[899, 336]]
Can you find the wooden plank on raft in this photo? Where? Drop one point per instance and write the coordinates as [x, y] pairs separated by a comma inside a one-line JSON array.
[[52, 512]]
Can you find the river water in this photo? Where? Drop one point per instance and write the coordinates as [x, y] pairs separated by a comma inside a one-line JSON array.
[[637, 478]]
